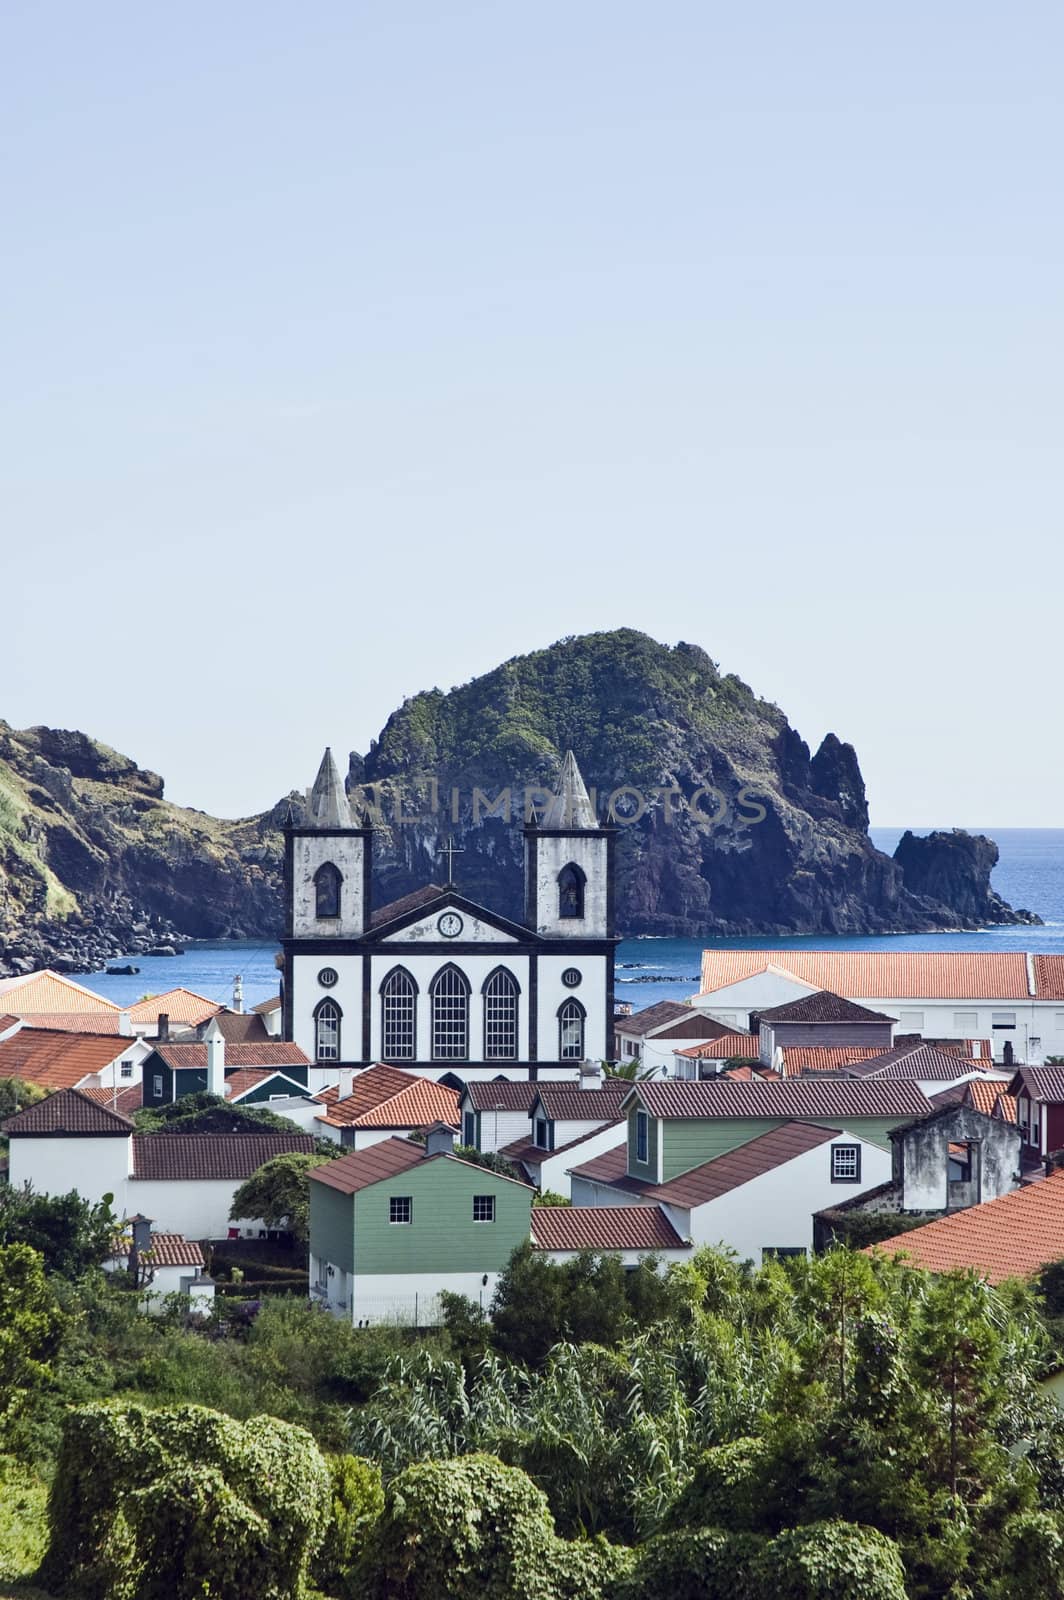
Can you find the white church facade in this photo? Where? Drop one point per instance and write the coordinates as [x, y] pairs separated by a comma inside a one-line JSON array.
[[435, 983]]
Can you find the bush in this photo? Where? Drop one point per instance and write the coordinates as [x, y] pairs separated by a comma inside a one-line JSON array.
[[23, 1500], [695, 1564], [831, 1561], [727, 1490], [357, 1504], [175, 1504]]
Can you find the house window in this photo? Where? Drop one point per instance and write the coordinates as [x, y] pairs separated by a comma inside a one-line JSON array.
[[450, 1015], [399, 1016], [542, 1136], [127, 1069], [966, 1022], [500, 1016], [571, 883], [1003, 1019], [911, 1021], [1036, 1127], [401, 1208], [327, 1031], [642, 1137], [157, 1086], [469, 1129], [327, 881], [846, 1163], [483, 1208], [571, 1031]]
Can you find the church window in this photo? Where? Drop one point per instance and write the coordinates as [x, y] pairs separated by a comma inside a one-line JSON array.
[[327, 881], [450, 1015], [571, 1031], [399, 1016], [571, 883], [327, 1031], [328, 977], [500, 1016]]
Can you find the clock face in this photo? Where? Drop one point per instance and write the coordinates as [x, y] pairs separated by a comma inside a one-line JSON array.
[[450, 924]]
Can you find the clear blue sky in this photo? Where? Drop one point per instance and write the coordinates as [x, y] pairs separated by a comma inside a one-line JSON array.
[[349, 350]]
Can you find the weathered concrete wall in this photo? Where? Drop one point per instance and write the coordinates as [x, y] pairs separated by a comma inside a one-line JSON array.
[[925, 1158]]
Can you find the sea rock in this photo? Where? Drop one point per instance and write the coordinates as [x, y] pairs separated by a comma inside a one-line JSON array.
[[953, 869]]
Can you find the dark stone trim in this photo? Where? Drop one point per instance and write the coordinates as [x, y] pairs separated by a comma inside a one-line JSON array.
[[611, 841], [287, 881], [531, 869], [319, 946], [447, 897], [533, 1007], [367, 1002], [367, 878], [329, 833]]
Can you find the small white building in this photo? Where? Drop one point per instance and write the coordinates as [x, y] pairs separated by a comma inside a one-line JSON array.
[[630, 1233]]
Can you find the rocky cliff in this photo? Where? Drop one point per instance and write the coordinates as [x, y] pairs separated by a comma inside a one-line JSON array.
[[727, 824]]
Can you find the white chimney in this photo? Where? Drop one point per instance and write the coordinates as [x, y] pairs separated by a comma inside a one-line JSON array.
[[215, 1042], [125, 1025], [590, 1075], [238, 993], [345, 1083]]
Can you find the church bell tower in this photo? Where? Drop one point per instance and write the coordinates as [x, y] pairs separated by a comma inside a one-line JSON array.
[[327, 864], [569, 865]]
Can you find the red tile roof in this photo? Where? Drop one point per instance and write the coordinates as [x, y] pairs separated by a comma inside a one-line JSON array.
[[526, 1153], [126, 1100], [822, 1006], [1049, 977], [385, 1097], [6, 1022], [1041, 1083], [917, 1061], [603, 1228], [363, 1168], [719, 1176], [503, 1094], [180, 1005], [57, 1059], [264, 1007], [241, 1027], [799, 1058], [818, 1099], [271, 1053], [729, 1044], [1012, 1237], [985, 1093], [407, 902], [100, 1022], [881, 974], [69, 1113], [50, 991], [180, 1157], [564, 1103], [643, 1022], [174, 1250]]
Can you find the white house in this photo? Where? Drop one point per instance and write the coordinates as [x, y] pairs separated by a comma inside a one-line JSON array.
[[1015, 998], [630, 1233], [757, 1199], [435, 983]]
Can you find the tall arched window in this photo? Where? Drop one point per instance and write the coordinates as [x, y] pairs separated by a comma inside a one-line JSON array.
[[327, 1016], [500, 1016], [450, 1015], [571, 1017], [327, 881], [399, 1016], [571, 883]]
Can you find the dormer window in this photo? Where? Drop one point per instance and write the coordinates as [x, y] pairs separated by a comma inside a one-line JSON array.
[[571, 883], [327, 881]]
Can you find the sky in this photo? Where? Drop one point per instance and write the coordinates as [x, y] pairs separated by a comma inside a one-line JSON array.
[[349, 350]]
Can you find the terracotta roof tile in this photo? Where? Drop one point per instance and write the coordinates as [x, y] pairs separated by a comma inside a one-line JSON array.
[[363, 1168], [266, 1053], [384, 1097], [818, 1099], [7, 1021], [729, 1044], [799, 1058], [879, 975], [916, 1061], [405, 903], [99, 1022], [640, 1023], [531, 1155], [503, 1094], [1041, 1083], [565, 1103], [50, 991], [219, 1156], [241, 1027], [174, 1250], [180, 1005], [603, 1228], [1049, 977], [985, 1093], [57, 1059], [823, 1006], [264, 1007], [1012, 1237], [69, 1113], [126, 1100]]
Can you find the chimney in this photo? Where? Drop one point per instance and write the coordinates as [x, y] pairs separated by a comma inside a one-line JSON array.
[[141, 1234], [345, 1083], [439, 1140], [590, 1075], [215, 1041], [125, 1025], [162, 1026], [238, 994]]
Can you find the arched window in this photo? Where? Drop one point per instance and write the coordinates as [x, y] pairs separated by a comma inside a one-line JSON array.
[[327, 1016], [500, 1016], [571, 883], [450, 1015], [571, 1017], [399, 1016], [327, 881]]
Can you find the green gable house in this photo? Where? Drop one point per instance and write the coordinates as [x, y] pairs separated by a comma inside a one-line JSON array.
[[394, 1224], [269, 1069], [674, 1127]]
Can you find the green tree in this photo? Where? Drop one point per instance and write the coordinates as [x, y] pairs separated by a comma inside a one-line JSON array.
[[279, 1193], [16, 1095], [30, 1325], [71, 1234]]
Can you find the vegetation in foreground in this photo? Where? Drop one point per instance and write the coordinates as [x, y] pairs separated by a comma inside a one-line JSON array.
[[821, 1428]]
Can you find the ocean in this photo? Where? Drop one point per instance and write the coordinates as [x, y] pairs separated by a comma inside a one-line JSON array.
[[1030, 873]]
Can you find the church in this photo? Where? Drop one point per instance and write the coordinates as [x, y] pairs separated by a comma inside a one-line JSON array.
[[435, 983]]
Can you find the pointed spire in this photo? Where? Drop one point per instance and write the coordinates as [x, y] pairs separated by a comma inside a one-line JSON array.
[[571, 806], [327, 803]]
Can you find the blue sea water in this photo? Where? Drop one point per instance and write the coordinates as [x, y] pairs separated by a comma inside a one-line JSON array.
[[1030, 873]]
